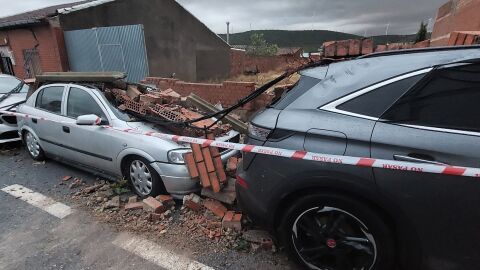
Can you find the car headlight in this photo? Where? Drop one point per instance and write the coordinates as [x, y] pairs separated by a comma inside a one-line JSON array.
[[176, 156]]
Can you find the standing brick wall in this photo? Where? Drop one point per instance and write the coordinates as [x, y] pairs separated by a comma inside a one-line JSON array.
[[227, 93], [455, 15], [241, 62], [27, 38]]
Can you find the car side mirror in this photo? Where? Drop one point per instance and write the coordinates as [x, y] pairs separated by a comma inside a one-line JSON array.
[[88, 120]]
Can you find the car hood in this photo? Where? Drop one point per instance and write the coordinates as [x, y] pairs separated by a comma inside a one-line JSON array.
[[12, 99], [143, 126]]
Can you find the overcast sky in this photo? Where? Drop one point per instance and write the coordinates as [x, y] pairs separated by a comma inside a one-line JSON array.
[[352, 16]]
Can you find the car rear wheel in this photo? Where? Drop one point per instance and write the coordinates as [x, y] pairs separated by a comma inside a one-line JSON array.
[[335, 232], [33, 147], [143, 178]]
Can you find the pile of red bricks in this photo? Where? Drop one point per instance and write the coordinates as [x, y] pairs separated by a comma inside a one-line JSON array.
[[166, 104], [347, 48], [227, 93], [222, 218], [205, 163]]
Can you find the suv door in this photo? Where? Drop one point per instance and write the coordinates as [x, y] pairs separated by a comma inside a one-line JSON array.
[[437, 121], [93, 146], [49, 105]]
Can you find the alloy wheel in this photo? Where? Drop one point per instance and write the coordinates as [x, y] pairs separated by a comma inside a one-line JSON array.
[[141, 177], [329, 238], [32, 145]]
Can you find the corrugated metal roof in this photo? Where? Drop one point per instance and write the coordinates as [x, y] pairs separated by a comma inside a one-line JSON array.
[[34, 16], [74, 8]]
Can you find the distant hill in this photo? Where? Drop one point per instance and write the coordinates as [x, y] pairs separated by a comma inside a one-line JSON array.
[[309, 40]]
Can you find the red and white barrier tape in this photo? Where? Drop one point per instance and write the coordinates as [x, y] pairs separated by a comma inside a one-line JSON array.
[[299, 155]]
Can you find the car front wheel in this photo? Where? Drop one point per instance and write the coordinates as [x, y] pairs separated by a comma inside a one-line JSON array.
[[335, 232], [33, 147], [143, 178]]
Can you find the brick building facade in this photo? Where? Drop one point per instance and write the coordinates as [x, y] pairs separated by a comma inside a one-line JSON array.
[[455, 15]]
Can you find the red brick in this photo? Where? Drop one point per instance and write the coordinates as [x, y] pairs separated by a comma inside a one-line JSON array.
[[197, 152], [208, 159], [193, 202], [166, 200], [202, 171], [150, 99], [150, 204], [222, 176], [133, 92], [134, 206], [232, 220], [191, 165], [214, 181], [155, 217], [216, 207]]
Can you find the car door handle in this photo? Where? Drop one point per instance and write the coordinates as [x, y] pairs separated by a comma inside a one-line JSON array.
[[424, 159], [66, 129], [34, 120]]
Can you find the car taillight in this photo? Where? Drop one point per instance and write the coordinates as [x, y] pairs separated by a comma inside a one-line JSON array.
[[241, 182], [257, 132]]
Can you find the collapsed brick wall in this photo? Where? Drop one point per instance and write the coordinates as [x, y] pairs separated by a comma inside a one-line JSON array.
[[227, 93], [455, 15], [241, 62]]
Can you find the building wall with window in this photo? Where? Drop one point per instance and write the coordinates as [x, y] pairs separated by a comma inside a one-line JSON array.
[[34, 49]]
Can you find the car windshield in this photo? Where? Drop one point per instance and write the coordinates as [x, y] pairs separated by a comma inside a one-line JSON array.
[[7, 84], [124, 116]]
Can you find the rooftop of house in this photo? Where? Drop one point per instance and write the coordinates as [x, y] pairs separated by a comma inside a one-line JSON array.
[[38, 15]]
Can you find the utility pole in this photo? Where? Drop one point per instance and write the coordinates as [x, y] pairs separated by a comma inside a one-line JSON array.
[[228, 33]]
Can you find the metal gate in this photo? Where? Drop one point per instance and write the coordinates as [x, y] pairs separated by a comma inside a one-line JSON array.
[[116, 48]]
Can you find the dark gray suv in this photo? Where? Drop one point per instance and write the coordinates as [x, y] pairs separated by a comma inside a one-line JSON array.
[[416, 106]]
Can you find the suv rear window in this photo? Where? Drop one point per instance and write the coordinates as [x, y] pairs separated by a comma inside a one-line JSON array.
[[376, 102], [449, 100], [303, 85]]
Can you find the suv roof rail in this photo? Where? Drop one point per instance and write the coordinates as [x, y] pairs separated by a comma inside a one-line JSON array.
[[420, 50], [80, 77]]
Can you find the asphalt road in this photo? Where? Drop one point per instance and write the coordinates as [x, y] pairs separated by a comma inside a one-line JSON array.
[[33, 238]]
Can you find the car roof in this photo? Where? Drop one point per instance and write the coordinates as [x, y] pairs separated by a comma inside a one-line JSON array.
[[343, 78]]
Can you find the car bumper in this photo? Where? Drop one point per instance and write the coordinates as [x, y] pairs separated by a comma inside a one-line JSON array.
[[250, 203], [176, 177], [8, 133]]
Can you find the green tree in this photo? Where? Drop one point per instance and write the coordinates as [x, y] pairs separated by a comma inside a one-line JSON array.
[[259, 46], [422, 33]]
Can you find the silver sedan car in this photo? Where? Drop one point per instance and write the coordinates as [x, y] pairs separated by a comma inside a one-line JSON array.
[[12, 90], [152, 165]]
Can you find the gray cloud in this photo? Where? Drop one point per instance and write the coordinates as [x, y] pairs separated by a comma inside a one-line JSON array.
[[353, 16]]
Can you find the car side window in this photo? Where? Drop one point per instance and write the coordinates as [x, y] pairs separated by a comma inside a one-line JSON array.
[[50, 99], [449, 100], [80, 102], [376, 102]]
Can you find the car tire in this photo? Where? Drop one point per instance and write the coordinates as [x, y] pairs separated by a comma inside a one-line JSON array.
[[33, 147], [143, 179], [360, 240]]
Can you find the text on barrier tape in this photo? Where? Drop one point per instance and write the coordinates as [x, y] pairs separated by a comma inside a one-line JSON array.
[[299, 155]]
